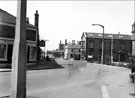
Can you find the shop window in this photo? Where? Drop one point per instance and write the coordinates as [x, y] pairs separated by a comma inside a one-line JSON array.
[[3, 52], [33, 53]]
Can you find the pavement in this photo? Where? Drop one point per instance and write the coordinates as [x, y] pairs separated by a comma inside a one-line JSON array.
[[41, 66]]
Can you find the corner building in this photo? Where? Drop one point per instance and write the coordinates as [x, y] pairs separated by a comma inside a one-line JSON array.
[[7, 35], [118, 45]]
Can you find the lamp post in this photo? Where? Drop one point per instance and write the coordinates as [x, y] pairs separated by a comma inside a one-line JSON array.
[[45, 47], [112, 49], [102, 58]]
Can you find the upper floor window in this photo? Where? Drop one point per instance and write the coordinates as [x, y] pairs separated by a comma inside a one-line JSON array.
[[100, 44], [72, 50], [110, 36], [91, 35], [120, 36], [100, 35], [122, 45], [91, 44]]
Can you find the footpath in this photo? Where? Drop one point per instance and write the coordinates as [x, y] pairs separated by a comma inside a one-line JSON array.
[[42, 65]]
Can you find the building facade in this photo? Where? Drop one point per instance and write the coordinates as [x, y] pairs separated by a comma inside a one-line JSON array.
[[73, 51], [118, 46], [7, 36]]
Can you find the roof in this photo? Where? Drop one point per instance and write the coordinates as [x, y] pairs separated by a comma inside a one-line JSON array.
[[107, 36], [5, 17]]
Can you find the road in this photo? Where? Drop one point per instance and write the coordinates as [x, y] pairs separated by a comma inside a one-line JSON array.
[[78, 79]]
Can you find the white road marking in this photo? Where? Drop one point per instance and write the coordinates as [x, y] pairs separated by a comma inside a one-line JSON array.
[[104, 92]]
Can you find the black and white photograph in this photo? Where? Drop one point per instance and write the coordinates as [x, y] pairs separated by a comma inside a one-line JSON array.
[[67, 48]]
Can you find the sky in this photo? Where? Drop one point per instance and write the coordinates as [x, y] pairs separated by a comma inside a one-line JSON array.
[[60, 20]]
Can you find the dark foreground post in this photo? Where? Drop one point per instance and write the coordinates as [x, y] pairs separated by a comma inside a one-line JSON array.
[[18, 77]]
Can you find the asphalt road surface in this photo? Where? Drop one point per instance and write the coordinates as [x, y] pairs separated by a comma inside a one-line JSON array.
[[78, 79]]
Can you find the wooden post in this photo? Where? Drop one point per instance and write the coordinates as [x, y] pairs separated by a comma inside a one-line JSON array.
[[18, 76]]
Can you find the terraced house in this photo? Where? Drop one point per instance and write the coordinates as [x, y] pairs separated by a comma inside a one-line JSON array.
[[117, 45], [7, 35]]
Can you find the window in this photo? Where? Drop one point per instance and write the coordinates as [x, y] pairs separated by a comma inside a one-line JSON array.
[[32, 53], [91, 45], [72, 50], [122, 45], [100, 44], [91, 35], [120, 36], [110, 36], [100, 35], [3, 52]]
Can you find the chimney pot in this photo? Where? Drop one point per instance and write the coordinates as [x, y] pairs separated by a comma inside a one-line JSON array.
[[36, 11]]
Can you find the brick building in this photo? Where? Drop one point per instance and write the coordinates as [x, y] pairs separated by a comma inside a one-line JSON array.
[[119, 44], [7, 35]]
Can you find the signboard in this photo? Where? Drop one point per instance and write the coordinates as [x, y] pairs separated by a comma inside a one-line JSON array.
[[42, 43]]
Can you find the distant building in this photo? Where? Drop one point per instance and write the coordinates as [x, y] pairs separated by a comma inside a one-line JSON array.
[[73, 50], [61, 46], [92, 45], [61, 49], [7, 35]]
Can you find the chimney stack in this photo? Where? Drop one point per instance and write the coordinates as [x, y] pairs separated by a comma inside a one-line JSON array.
[[73, 42], [36, 18], [60, 41]]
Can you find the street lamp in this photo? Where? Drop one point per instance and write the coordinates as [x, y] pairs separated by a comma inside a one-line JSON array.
[[45, 46], [111, 48], [102, 58]]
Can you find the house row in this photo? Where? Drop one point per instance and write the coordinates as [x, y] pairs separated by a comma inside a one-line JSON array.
[[118, 46]]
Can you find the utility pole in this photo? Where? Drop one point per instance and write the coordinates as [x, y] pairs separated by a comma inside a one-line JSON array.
[[18, 75]]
